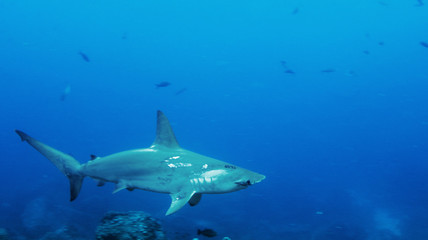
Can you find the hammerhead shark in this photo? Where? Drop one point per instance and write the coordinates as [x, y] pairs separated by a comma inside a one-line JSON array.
[[164, 167]]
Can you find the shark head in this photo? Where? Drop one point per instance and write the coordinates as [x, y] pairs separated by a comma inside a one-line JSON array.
[[230, 179], [244, 178], [248, 178]]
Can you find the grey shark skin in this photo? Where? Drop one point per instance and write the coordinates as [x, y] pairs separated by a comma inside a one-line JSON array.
[[164, 167]]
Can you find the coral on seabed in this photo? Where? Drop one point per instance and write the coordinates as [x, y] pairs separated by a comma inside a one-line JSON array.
[[128, 226]]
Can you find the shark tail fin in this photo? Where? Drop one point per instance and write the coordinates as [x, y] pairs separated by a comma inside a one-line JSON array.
[[69, 166]]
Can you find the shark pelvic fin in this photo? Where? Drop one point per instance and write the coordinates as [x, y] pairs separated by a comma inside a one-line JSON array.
[[179, 200], [195, 199], [120, 186], [164, 135]]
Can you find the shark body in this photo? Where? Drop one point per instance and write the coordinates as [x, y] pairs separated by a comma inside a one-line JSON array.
[[164, 167]]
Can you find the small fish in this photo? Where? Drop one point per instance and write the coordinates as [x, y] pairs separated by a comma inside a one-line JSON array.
[[286, 69], [84, 56], [162, 84], [125, 36], [180, 91], [383, 3], [424, 44], [295, 11], [368, 36], [328, 70], [420, 3], [367, 52], [381, 43], [351, 73], [289, 71], [65, 93], [207, 232]]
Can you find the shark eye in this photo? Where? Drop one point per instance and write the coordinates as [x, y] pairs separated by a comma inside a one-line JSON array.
[[248, 182]]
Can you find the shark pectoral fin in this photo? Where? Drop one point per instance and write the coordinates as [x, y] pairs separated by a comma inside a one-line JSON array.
[[120, 186], [179, 200], [195, 199]]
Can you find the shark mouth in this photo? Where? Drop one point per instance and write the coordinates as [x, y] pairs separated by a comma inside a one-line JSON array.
[[244, 183]]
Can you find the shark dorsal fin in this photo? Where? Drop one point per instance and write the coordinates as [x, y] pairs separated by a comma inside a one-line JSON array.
[[164, 135]]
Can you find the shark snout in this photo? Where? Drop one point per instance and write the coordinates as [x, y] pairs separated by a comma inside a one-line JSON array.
[[255, 179], [258, 179]]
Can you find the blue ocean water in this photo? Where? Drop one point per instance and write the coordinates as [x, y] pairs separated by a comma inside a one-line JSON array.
[[328, 99]]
